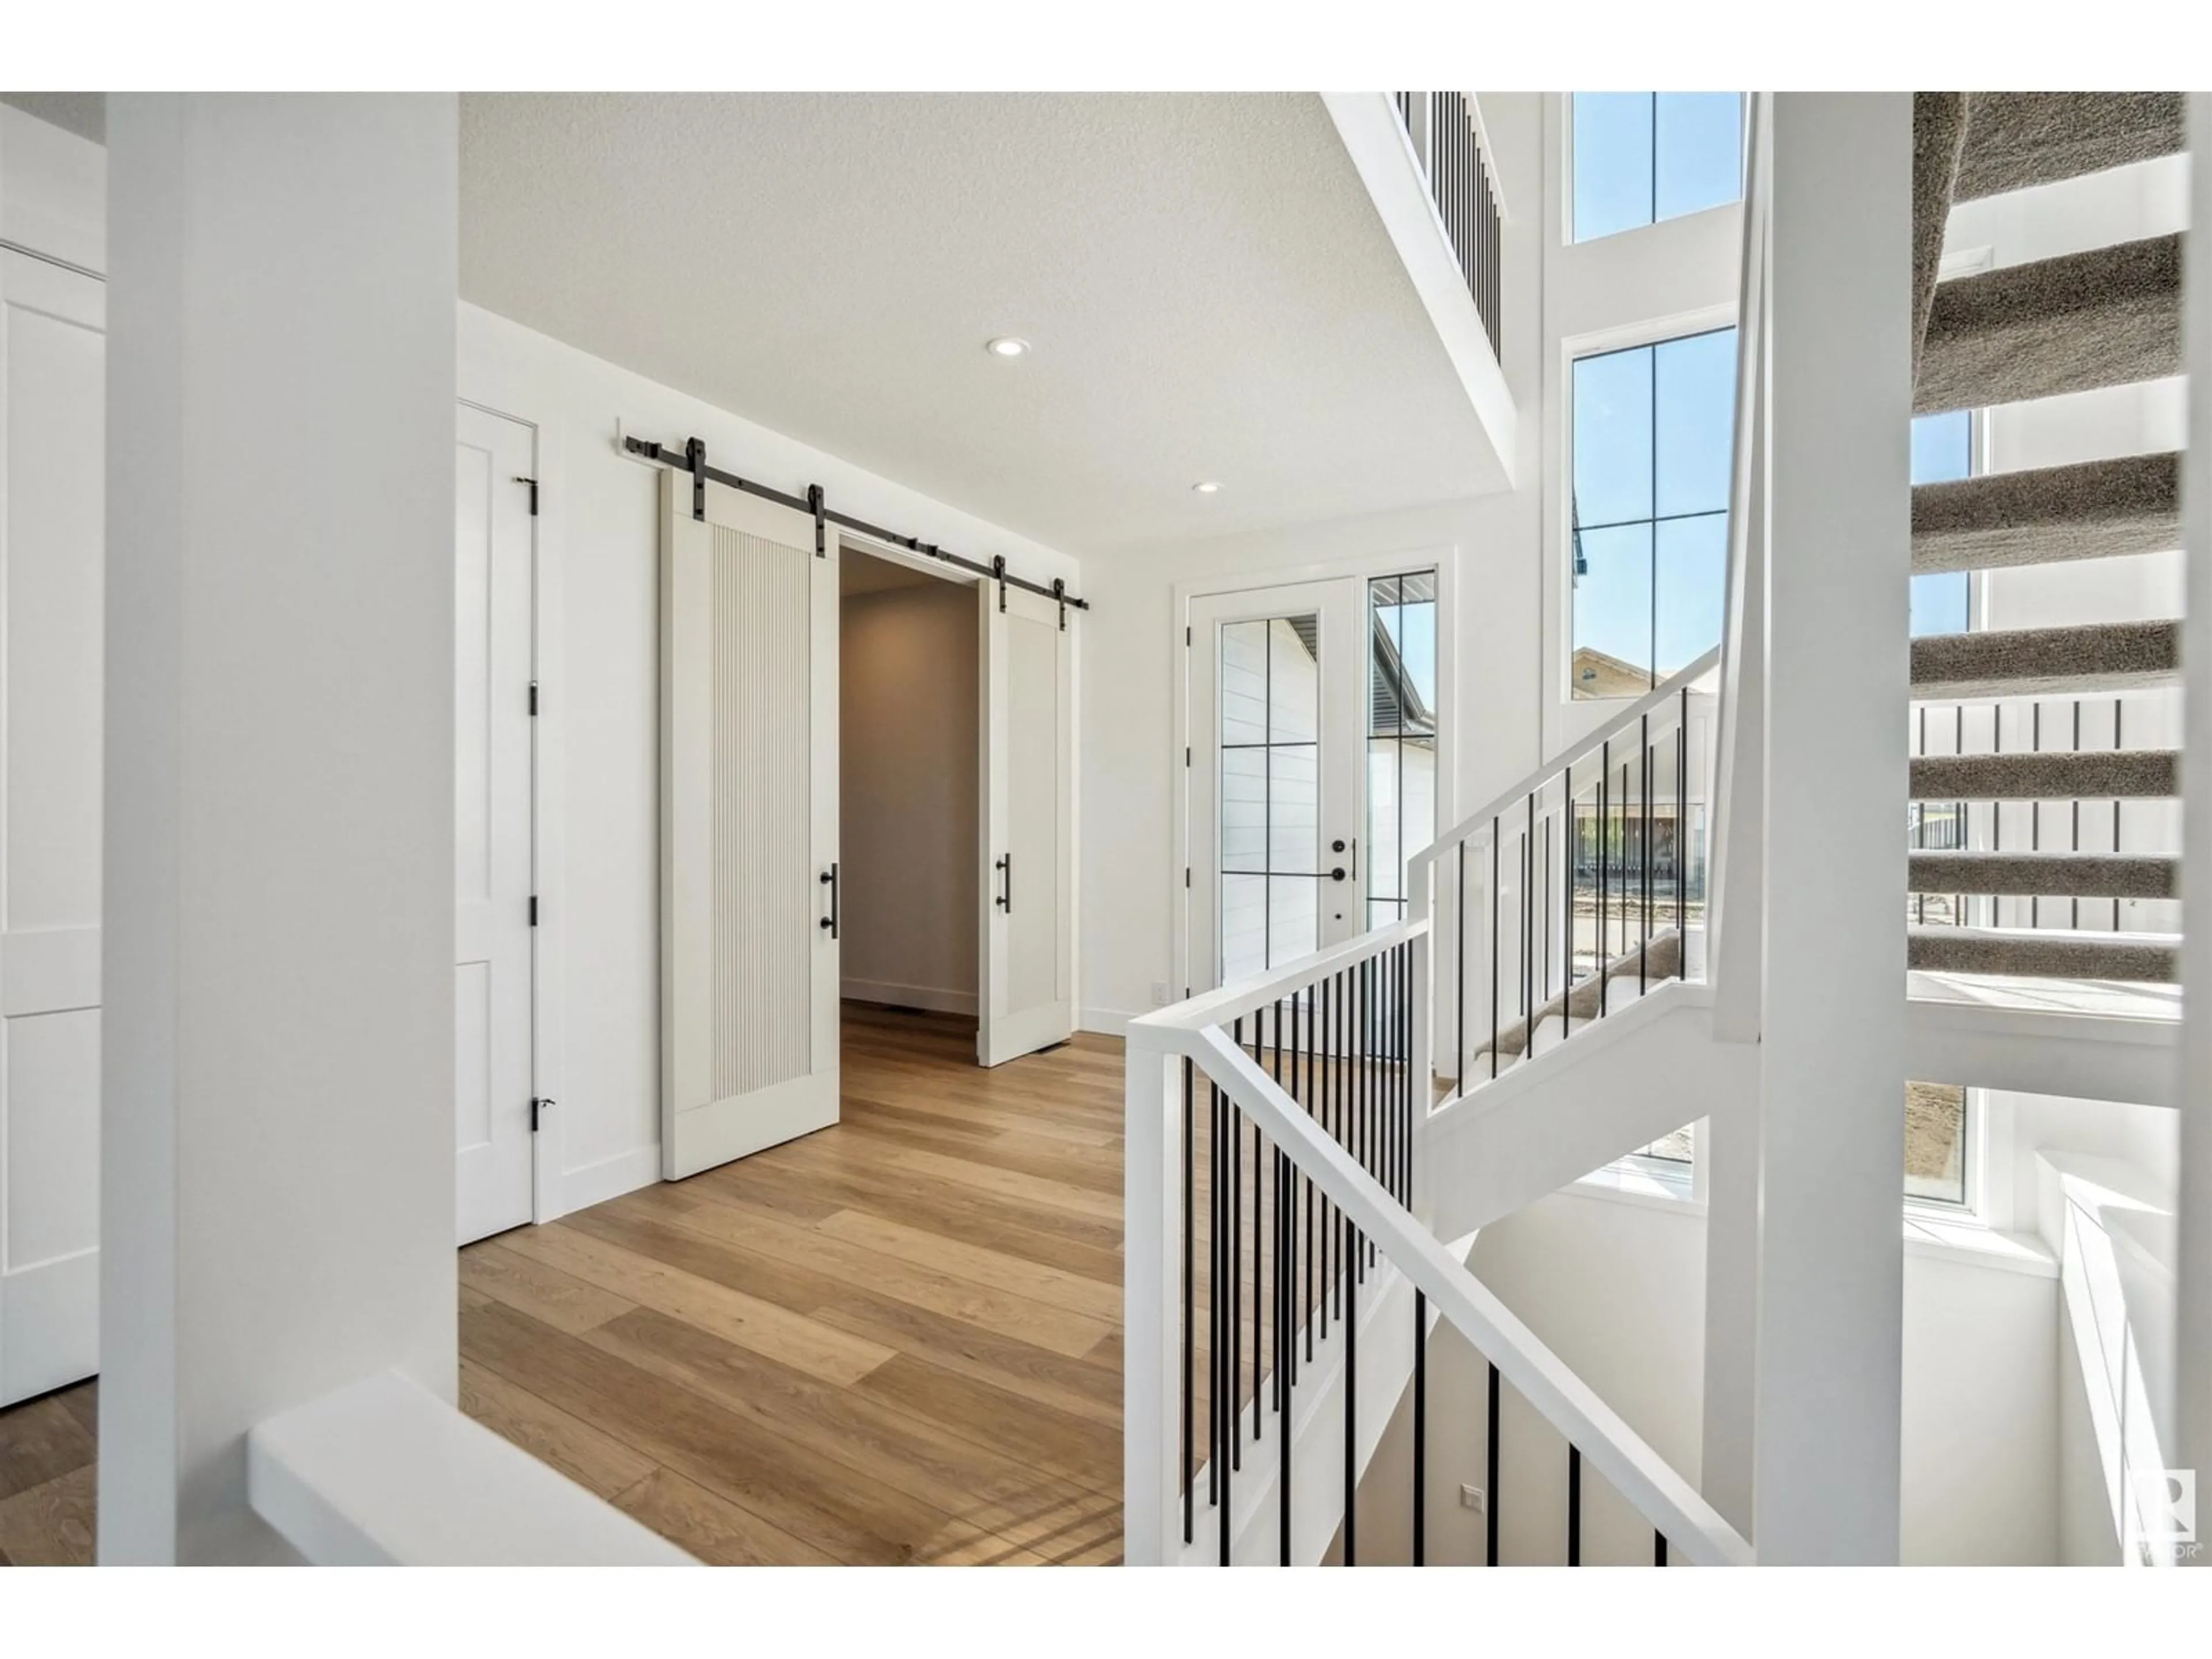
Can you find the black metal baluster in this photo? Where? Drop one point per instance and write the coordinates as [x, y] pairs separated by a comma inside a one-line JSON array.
[[1574, 1507], [1283, 1284], [1570, 846], [1529, 933], [1682, 830], [1496, 917], [1313, 1109], [1490, 1502], [1604, 825], [1189, 1306], [1658, 1548], [1420, 1428], [1237, 1267], [1643, 956], [1217, 1191], [1458, 969]]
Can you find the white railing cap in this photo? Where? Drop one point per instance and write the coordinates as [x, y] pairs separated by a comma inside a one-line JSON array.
[[1234, 1000]]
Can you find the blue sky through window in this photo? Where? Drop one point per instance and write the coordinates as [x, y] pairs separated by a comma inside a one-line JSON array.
[[1654, 430], [1640, 157], [1943, 450]]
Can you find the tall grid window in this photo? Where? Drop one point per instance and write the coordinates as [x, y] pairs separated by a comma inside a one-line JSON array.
[[1653, 435], [1942, 451], [1401, 734], [1640, 157], [1270, 739]]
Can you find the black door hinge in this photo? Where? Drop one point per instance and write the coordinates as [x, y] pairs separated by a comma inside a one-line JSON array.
[[532, 483], [533, 701], [533, 909], [1186, 638], [1186, 754], [537, 1109], [1186, 875]]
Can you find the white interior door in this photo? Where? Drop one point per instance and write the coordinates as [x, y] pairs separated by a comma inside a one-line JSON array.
[[1027, 998], [749, 890], [52, 439], [1278, 723], [494, 576]]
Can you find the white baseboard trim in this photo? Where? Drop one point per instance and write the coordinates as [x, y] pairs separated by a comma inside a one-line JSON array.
[[929, 997], [1104, 1022], [610, 1178]]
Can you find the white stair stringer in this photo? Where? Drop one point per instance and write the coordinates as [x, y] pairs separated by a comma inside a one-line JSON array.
[[1611, 1087], [2092, 1041]]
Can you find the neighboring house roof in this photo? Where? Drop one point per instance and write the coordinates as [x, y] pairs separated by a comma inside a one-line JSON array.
[[1594, 674], [1396, 706]]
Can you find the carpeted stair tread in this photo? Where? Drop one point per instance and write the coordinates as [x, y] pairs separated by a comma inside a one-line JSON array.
[[2049, 954], [2045, 661], [2016, 140], [1581, 1003], [2048, 515], [2097, 774], [1938, 132], [2062, 875], [2110, 316]]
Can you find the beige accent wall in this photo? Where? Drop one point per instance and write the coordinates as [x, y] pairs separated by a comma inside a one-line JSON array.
[[908, 725]]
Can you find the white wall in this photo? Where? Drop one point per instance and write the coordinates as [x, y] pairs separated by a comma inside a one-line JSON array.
[[276, 1192], [910, 848], [602, 1042], [1130, 847], [1616, 1287]]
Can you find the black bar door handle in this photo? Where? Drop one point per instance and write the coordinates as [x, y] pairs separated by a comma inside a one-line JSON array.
[[829, 880], [1005, 899]]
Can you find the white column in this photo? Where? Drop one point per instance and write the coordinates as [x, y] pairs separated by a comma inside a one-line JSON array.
[[2193, 1416], [1833, 1085], [277, 1183]]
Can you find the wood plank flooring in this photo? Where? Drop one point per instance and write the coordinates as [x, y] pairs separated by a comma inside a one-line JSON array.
[[896, 1340]]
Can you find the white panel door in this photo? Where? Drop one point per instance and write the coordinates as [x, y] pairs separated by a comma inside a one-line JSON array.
[[1027, 1000], [52, 438], [494, 576], [748, 892], [1277, 721]]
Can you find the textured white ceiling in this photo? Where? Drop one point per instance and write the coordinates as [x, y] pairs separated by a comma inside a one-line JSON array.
[[1207, 287]]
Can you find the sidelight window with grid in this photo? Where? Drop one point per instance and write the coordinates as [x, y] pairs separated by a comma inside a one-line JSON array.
[[1270, 815]]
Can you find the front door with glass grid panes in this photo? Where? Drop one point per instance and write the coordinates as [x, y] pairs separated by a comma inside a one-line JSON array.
[[1313, 730]]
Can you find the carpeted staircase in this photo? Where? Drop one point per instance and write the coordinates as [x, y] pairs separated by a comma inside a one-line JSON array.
[[2107, 317]]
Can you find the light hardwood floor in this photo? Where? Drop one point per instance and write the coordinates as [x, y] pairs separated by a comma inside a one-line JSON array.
[[896, 1340]]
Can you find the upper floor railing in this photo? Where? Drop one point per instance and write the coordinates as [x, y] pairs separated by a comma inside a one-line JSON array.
[[1446, 131], [1580, 888]]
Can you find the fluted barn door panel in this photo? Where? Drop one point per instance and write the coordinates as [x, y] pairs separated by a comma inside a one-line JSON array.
[[1028, 921], [749, 827]]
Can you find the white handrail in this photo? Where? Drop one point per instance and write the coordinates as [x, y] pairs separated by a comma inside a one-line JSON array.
[[1691, 1527], [1507, 800], [1244, 996]]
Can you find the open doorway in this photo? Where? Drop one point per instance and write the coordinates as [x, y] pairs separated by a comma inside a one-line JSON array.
[[910, 835]]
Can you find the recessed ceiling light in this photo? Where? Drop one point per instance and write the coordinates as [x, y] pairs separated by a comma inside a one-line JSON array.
[[1209, 487], [1007, 345]]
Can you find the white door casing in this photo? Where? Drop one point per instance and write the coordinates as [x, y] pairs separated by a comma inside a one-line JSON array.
[[494, 574], [749, 640], [1027, 1000], [53, 443], [1287, 805]]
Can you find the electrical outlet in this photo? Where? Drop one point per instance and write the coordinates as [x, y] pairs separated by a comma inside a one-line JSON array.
[[1161, 995], [1470, 1497]]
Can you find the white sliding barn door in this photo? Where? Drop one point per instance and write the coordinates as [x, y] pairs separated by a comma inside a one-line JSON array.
[[1028, 955], [492, 561], [52, 439], [748, 827]]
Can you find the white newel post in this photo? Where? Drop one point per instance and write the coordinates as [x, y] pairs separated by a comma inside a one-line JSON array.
[[2193, 1416], [277, 1182], [1151, 1306], [1832, 1078]]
